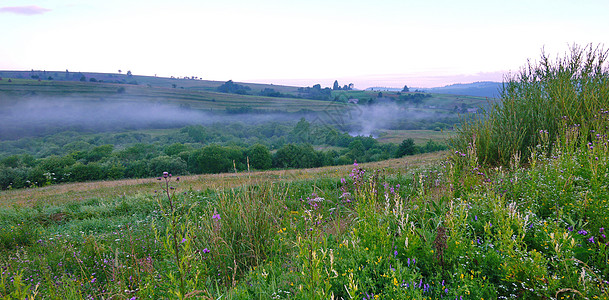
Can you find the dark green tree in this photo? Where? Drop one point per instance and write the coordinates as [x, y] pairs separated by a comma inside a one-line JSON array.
[[407, 147], [260, 157]]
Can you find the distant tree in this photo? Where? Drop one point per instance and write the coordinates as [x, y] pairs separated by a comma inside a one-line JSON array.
[[129, 73], [9, 80], [336, 86], [234, 88], [407, 147], [405, 89], [351, 86], [92, 79], [120, 71], [380, 95], [173, 85], [259, 157], [120, 90], [50, 78]]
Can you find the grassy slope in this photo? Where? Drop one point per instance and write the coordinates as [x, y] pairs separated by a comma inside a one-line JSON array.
[[154, 81], [204, 100]]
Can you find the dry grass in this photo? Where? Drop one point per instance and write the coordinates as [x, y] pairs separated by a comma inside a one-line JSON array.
[[111, 189]]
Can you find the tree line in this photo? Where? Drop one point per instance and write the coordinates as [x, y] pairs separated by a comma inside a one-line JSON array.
[[191, 150]]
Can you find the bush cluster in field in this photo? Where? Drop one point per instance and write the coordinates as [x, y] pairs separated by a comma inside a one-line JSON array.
[[193, 149]]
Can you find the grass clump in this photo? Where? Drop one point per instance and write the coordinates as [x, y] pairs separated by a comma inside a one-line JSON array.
[[543, 96]]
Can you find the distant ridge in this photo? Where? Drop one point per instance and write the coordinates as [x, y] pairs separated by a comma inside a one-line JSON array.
[[488, 89]]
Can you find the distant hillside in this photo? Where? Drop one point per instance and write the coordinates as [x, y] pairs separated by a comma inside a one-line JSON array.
[[188, 83], [488, 89]]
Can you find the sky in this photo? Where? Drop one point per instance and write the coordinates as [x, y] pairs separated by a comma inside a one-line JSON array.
[[380, 43]]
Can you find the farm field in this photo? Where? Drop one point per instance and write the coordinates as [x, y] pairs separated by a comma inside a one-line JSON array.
[[420, 137]]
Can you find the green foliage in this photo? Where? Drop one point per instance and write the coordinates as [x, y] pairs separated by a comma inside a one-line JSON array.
[[542, 97], [260, 157], [407, 147]]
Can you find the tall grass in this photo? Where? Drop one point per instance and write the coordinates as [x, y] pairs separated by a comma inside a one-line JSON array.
[[543, 96]]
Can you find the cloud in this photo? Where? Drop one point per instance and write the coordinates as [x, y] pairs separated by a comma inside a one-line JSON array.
[[24, 10]]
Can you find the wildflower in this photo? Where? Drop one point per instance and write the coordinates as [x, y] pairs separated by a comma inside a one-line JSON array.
[[93, 280], [165, 174], [601, 230], [216, 216], [582, 232], [476, 217], [591, 240], [570, 228], [343, 181], [355, 163], [205, 250], [183, 240], [395, 253]]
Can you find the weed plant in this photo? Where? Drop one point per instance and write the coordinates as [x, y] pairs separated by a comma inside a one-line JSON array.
[[545, 95]]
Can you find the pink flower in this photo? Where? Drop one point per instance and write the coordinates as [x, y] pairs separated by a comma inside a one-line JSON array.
[[216, 216]]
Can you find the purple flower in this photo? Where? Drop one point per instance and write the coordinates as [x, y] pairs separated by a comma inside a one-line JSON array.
[[205, 250], [395, 253], [93, 280], [165, 174], [355, 163], [476, 217], [582, 232], [183, 240], [601, 230], [591, 240], [216, 216], [343, 181], [570, 228]]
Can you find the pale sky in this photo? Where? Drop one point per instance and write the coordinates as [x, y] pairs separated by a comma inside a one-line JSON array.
[[388, 43]]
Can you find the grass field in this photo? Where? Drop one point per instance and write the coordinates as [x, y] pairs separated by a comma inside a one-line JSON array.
[[77, 192], [109, 92], [420, 137]]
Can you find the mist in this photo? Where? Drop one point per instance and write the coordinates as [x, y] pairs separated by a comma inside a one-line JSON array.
[[368, 120], [42, 116], [35, 117]]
